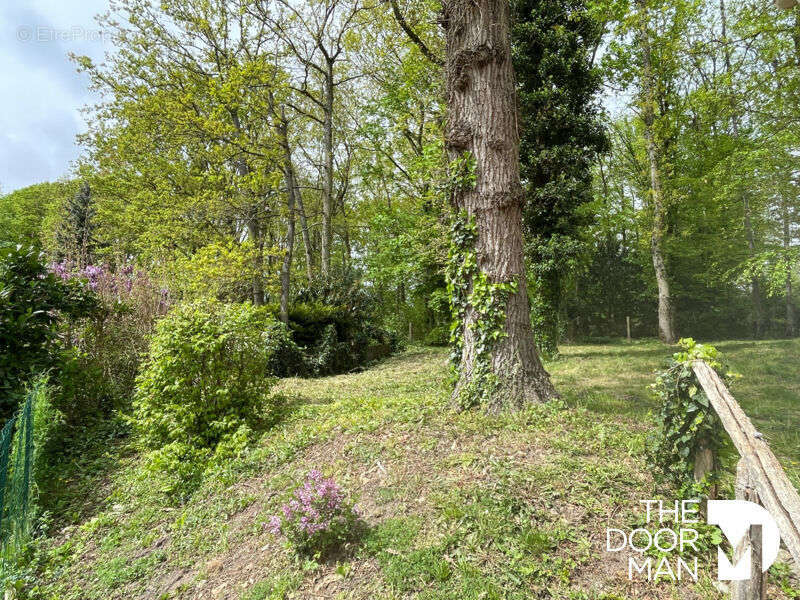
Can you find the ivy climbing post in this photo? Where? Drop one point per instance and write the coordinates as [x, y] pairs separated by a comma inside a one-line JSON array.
[[496, 363]]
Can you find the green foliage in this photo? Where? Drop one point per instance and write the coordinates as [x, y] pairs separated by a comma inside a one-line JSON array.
[[27, 214], [438, 336], [461, 174], [562, 134], [686, 421], [75, 234], [207, 374], [335, 320], [32, 304]]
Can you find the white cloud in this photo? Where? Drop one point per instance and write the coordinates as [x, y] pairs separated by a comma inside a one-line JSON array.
[[43, 94]]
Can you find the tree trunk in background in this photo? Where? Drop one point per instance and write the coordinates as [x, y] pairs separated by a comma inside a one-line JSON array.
[[254, 233], [755, 288], [787, 242], [291, 196], [665, 317], [306, 236], [482, 121], [327, 183]]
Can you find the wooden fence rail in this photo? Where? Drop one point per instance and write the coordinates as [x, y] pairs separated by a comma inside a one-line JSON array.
[[760, 477]]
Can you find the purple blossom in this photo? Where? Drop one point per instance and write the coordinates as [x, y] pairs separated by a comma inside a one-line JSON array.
[[317, 508]]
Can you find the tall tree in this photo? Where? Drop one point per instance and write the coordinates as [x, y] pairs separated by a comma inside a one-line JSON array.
[[498, 361], [75, 235], [651, 99], [317, 36], [554, 43]]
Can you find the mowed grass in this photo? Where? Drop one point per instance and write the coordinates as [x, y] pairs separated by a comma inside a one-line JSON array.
[[614, 379], [458, 505]]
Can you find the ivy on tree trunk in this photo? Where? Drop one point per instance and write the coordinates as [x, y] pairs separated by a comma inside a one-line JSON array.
[[497, 363]]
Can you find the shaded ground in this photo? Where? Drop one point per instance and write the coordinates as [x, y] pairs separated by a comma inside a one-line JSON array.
[[458, 506]]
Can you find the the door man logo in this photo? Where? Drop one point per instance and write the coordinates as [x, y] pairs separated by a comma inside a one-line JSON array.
[[734, 518], [677, 535]]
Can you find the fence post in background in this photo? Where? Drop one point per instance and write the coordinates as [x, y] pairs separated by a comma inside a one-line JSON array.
[[409, 331], [754, 588], [628, 323]]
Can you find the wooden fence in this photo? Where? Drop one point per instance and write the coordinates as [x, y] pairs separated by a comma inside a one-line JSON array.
[[759, 478]]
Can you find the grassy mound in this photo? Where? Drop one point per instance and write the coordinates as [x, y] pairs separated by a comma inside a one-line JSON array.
[[457, 505]]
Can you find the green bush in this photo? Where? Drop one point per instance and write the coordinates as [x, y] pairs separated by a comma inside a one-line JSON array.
[[438, 336], [32, 304], [209, 371]]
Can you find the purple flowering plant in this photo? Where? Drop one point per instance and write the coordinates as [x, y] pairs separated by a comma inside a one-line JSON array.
[[317, 517]]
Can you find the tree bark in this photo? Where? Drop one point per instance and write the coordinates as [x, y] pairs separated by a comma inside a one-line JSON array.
[[327, 189], [482, 123], [787, 242], [755, 288], [306, 236], [666, 329], [254, 232], [291, 196]]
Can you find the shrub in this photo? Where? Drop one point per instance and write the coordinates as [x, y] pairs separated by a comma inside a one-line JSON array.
[[317, 517], [438, 336], [208, 372], [32, 304], [102, 353]]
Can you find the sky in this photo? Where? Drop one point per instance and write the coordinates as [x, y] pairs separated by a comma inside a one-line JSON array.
[[41, 93]]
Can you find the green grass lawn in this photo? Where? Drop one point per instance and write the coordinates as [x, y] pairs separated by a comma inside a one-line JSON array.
[[456, 505], [613, 379]]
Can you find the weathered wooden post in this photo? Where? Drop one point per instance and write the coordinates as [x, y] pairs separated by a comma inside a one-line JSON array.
[[704, 463], [754, 588], [628, 323]]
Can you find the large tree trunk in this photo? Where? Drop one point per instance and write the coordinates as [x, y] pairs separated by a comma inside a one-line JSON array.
[[291, 196], [666, 330], [482, 124], [327, 183]]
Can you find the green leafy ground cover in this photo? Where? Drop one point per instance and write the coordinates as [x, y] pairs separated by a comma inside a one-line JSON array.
[[457, 505]]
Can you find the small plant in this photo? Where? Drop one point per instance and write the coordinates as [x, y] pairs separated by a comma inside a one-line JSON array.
[[686, 421], [318, 517]]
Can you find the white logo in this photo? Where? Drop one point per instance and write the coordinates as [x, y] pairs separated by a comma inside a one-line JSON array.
[[734, 518]]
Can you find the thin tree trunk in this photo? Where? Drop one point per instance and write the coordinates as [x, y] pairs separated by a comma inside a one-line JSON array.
[[254, 232], [755, 288], [787, 242], [327, 190], [665, 318], [306, 236], [291, 196], [482, 124]]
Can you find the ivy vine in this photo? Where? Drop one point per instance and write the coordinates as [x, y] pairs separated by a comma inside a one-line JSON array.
[[687, 423], [469, 288]]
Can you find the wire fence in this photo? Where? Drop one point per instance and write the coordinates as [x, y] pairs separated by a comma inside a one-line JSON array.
[[17, 450]]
